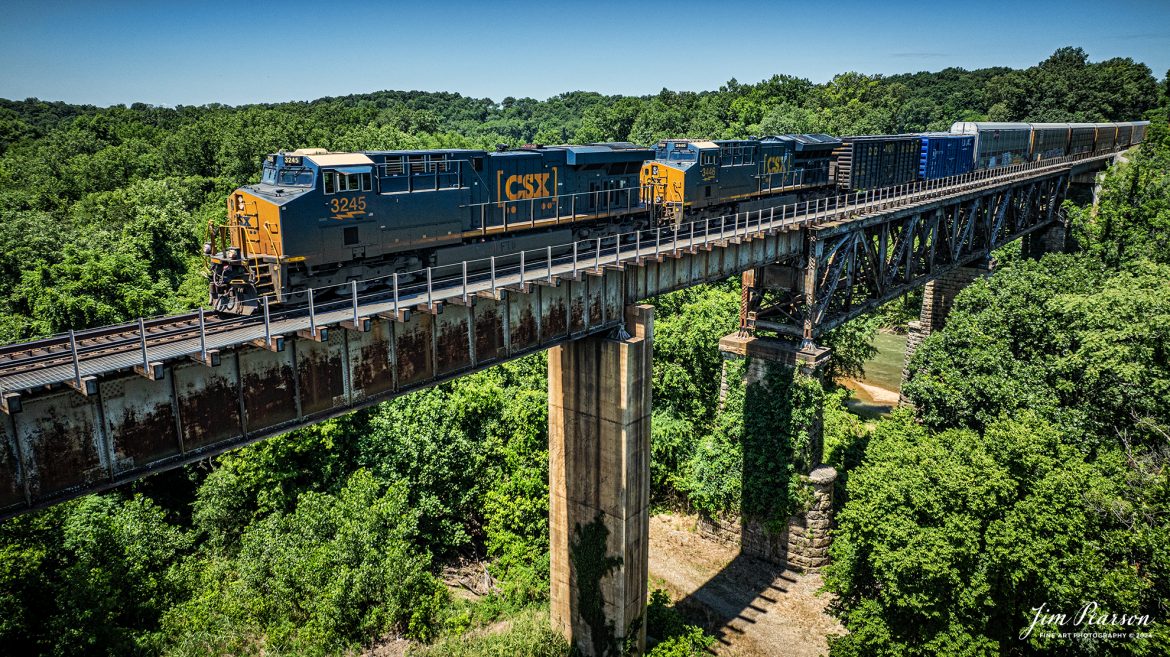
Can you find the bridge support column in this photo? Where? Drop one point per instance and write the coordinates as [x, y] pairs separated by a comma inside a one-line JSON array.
[[1053, 239], [937, 298], [803, 542], [599, 486]]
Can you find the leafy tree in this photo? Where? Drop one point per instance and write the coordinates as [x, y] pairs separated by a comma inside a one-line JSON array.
[[337, 571], [93, 577]]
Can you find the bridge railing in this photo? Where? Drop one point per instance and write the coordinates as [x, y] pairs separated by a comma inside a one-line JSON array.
[[430, 285]]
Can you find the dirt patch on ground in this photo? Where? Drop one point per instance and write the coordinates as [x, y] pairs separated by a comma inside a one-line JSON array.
[[388, 647], [754, 608]]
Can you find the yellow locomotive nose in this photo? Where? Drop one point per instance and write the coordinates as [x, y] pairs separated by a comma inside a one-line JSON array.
[[254, 226], [245, 254], [662, 189]]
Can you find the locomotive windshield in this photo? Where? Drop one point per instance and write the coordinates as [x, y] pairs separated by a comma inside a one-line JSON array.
[[297, 177], [287, 176]]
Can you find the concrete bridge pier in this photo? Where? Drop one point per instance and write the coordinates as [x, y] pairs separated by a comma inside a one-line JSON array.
[[599, 486]]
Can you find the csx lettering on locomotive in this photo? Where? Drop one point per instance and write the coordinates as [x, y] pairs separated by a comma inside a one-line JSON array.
[[526, 185]]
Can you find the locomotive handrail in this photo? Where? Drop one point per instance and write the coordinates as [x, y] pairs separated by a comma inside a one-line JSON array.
[[557, 217]]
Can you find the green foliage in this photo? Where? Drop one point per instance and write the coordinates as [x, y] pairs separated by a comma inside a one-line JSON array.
[[761, 441], [687, 363], [671, 634], [516, 508], [529, 634], [950, 539], [851, 344], [1132, 220], [256, 481], [478, 444], [336, 571], [1108, 332], [673, 441], [89, 577]]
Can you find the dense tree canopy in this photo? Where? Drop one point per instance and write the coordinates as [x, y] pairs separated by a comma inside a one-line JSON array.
[[1033, 474]]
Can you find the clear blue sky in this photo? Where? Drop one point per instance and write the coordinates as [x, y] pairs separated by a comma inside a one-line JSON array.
[[204, 51]]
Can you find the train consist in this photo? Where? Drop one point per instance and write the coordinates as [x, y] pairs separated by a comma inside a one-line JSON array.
[[320, 219]]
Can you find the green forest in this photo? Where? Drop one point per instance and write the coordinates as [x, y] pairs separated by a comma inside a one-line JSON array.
[[1032, 469]]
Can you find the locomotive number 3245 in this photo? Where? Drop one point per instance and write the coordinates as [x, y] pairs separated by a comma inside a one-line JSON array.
[[347, 204]]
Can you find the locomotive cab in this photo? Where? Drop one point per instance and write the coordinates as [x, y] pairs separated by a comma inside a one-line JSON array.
[[246, 255]]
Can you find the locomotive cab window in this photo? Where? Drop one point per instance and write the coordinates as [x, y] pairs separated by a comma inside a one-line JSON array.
[[347, 182]]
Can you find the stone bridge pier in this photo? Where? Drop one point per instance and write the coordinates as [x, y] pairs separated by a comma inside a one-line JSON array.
[[599, 407], [937, 298]]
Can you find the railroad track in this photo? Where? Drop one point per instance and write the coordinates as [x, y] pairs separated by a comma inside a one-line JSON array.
[[149, 334], [91, 343]]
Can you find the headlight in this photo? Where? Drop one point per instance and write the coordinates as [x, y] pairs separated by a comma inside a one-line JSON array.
[[240, 203]]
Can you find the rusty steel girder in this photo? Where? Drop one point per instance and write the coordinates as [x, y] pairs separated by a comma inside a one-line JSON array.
[[63, 442]]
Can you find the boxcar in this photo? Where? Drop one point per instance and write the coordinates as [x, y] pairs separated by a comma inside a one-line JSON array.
[[1050, 140], [943, 155], [874, 161], [997, 144], [1139, 132], [1124, 134]]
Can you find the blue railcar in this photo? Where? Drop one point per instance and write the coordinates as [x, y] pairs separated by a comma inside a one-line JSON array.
[[943, 155]]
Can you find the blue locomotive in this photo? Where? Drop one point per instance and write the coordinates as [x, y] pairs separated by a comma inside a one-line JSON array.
[[320, 219]]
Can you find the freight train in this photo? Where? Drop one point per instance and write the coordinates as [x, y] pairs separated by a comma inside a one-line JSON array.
[[319, 218]]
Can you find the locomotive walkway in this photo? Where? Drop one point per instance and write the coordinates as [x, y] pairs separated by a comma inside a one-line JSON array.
[[87, 411]]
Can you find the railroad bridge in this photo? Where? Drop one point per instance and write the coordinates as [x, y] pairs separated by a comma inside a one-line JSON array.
[[87, 411]]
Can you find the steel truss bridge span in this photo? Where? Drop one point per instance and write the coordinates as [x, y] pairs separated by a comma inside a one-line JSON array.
[[90, 410]]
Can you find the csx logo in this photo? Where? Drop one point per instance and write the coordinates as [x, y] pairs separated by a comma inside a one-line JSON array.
[[526, 185], [775, 164]]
